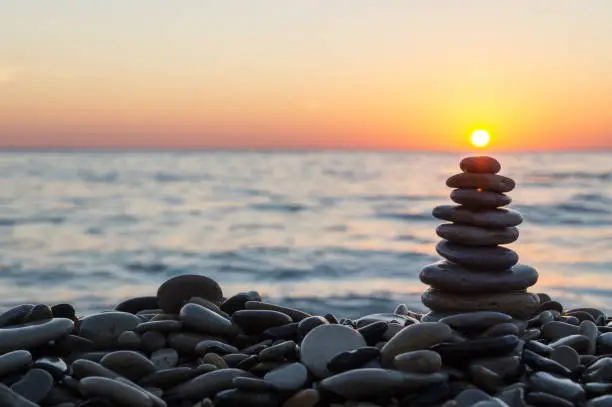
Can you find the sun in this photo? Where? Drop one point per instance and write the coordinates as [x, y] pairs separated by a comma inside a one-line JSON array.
[[480, 138]]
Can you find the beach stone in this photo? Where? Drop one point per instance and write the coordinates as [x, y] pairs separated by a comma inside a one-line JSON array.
[[359, 383], [285, 332], [325, 342], [604, 343], [589, 330], [469, 397], [454, 278], [507, 367], [171, 377], [295, 314], [206, 385], [479, 199], [308, 324], [478, 257], [505, 328], [186, 342], [210, 305], [513, 396], [57, 367], [81, 368], [485, 378], [515, 303], [35, 385], [136, 304], [415, 337], [539, 398], [8, 398], [599, 371], [64, 311], [303, 398], [32, 335], [556, 330], [475, 320], [289, 378], [218, 347], [352, 359], [256, 321], [235, 397], [374, 332], [168, 325], [116, 391], [104, 328], [129, 340], [129, 364], [476, 348], [566, 356], [279, 352], [490, 218], [541, 363], [475, 235], [216, 360], [418, 361], [538, 347], [385, 317], [39, 312], [238, 302], [595, 389], [564, 388], [15, 315], [480, 165], [164, 358], [578, 342], [202, 319], [174, 293], [487, 182], [152, 341], [14, 361], [601, 401], [252, 384]]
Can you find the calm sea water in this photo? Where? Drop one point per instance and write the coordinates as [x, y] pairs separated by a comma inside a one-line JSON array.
[[341, 232]]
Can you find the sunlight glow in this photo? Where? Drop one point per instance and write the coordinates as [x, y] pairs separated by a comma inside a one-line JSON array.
[[480, 138]]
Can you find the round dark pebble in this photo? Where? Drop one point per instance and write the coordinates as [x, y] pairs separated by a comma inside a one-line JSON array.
[[174, 293], [35, 385], [550, 305], [234, 398], [248, 363], [152, 341], [353, 359], [63, 311], [257, 321], [538, 347], [308, 324], [541, 399], [136, 304], [596, 389], [374, 332], [453, 352], [252, 384], [543, 364], [238, 301], [286, 332], [40, 312], [331, 318], [54, 365]]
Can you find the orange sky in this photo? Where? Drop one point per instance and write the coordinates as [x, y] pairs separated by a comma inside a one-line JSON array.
[[316, 74]]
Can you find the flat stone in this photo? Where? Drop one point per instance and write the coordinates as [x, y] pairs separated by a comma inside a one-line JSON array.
[[599, 371], [507, 367], [374, 332], [136, 304], [480, 165], [360, 383], [130, 364], [476, 348], [557, 329], [479, 199], [290, 378], [324, 343], [505, 328], [601, 401], [168, 325], [238, 302], [487, 182], [566, 356], [257, 321], [35, 385], [279, 352], [488, 218], [32, 335], [252, 384], [206, 385], [81, 368], [353, 359], [475, 320], [308, 324], [513, 396], [478, 257], [604, 343], [418, 361], [475, 235], [167, 378], [104, 328], [515, 303], [202, 319], [469, 397], [578, 342], [303, 398], [174, 293], [538, 398], [186, 342], [129, 340], [8, 398], [286, 332], [214, 359], [295, 314], [116, 391], [15, 315], [164, 358], [485, 378], [210, 305], [538, 347], [57, 367], [14, 361], [218, 347], [541, 363], [235, 397], [454, 278], [40, 312], [415, 337], [589, 330], [385, 317], [564, 388]]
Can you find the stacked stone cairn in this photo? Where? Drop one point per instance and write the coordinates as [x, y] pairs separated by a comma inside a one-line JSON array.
[[479, 274]]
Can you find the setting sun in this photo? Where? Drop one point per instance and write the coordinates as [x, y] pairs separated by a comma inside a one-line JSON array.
[[480, 138]]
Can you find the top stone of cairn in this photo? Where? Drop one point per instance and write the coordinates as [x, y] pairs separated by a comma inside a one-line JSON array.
[[480, 165]]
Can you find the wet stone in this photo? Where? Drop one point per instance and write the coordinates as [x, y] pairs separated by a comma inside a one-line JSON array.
[[15, 315], [54, 365], [578, 342], [202, 319], [174, 293], [602, 401], [506, 328], [353, 359], [116, 391], [160, 326], [373, 333], [599, 371], [293, 313], [39, 312], [287, 332], [33, 335]]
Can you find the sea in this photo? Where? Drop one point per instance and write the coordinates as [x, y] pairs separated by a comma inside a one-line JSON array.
[[340, 232]]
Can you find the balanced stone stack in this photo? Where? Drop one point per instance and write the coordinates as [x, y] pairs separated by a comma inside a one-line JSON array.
[[479, 274]]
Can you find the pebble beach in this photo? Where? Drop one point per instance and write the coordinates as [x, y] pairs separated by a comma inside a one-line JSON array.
[[486, 342]]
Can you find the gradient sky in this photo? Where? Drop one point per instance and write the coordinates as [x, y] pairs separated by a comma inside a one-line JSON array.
[[306, 74]]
